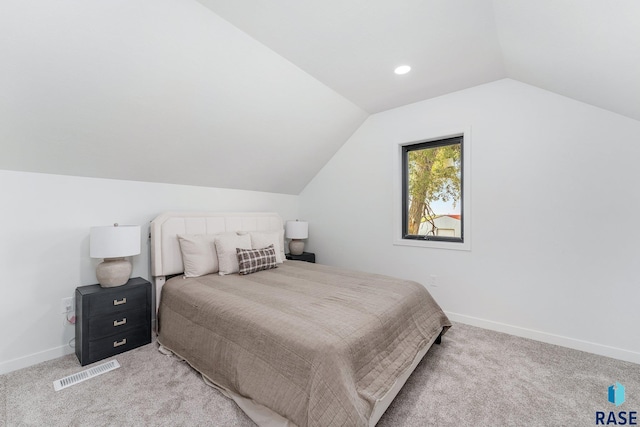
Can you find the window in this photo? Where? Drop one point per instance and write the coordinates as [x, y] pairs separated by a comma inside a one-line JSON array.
[[432, 191]]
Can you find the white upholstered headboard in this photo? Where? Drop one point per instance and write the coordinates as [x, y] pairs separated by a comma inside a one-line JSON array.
[[166, 258]]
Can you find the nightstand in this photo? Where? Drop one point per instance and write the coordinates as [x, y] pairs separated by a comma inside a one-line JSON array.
[[305, 256], [110, 321]]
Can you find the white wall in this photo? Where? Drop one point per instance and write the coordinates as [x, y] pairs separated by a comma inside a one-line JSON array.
[[44, 250], [545, 169]]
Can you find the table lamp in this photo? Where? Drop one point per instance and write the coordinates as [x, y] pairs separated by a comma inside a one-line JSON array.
[[113, 243], [296, 230]]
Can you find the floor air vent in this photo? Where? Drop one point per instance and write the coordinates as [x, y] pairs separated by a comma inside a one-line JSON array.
[[85, 375]]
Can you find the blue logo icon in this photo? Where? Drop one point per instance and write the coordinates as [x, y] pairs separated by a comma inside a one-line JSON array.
[[616, 394]]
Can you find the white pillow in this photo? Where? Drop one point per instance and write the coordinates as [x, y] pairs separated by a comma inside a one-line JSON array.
[[199, 255], [262, 239], [226, 245]]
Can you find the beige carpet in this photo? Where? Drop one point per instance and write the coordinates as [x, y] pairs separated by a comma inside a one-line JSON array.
[[475, 378]]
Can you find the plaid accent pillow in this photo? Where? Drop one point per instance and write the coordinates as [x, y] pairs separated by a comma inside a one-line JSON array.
[[252, 260]]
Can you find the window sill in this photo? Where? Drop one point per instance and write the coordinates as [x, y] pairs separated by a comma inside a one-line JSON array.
[[463, 246]]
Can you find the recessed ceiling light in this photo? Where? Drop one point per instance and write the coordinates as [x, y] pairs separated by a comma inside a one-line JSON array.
[[403, 69]]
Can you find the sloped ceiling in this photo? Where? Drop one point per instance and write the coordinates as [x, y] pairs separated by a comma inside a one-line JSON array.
[[159, 91], [258, 95], [587, 50], [354, 46]]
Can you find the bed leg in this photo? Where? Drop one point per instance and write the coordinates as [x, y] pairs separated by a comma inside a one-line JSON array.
[[439, 339]]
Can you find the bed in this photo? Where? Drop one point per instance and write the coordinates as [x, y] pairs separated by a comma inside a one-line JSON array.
[[299, 344]]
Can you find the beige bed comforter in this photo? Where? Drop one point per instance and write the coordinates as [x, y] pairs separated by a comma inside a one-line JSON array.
[[317, 345]]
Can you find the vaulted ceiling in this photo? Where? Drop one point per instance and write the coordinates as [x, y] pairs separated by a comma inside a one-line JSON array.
[[588, 50], [258, 95]]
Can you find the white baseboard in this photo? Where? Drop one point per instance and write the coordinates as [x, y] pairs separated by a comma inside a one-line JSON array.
[[590, 347], [35, 358]]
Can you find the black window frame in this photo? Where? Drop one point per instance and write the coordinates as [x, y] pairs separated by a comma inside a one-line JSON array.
[[433, 143]]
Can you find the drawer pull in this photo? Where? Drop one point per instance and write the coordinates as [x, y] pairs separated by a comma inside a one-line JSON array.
[[120, 323], [119, 343], [122, 301]]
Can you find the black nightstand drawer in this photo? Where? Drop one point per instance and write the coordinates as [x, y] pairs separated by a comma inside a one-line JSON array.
[[119, 343], [117, 300], [116, 323]]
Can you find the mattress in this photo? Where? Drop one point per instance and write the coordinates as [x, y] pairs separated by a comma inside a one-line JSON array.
[[315, 344]]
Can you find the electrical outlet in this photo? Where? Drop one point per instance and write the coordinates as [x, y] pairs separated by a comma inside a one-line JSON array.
[[66, 305]]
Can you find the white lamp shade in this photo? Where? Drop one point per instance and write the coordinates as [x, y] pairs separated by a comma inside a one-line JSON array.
[[115, 241], [296, 230]]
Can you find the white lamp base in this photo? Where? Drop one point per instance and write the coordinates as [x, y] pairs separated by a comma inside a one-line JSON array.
[[296, 247], [113, 272]]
